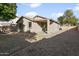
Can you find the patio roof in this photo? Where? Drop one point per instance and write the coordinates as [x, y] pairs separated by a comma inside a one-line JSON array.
[[43, 20]]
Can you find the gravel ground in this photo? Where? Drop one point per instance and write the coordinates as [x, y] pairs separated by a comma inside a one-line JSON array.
[[64, 44]]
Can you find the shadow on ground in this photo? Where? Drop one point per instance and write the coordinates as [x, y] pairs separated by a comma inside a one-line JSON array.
[[64, 44]]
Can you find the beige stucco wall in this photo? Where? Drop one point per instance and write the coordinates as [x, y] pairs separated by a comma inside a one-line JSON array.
[[54, 27], [36, 28], [26, 24]]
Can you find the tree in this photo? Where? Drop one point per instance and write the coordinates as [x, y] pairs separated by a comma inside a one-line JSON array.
[[7, 11], [68, 13], [60, 19], [73, 20], [68, 18]]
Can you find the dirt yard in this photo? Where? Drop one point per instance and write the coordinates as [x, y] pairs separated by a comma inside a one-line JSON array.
[[64, 44], [11, 43]]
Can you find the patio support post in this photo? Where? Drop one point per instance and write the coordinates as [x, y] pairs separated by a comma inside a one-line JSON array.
[[48, 22]]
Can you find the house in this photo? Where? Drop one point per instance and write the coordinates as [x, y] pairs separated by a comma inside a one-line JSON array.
[[37, 24], [4, 26], [8, 26], [13, 21]]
